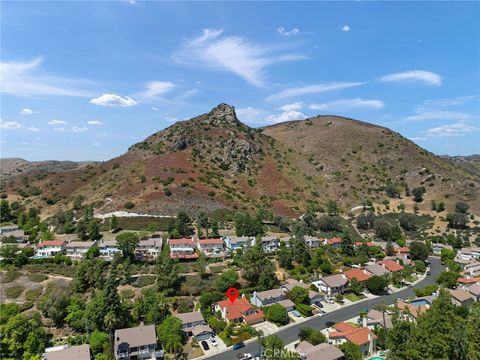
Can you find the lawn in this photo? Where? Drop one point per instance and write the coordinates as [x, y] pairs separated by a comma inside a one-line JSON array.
[[352, 297]]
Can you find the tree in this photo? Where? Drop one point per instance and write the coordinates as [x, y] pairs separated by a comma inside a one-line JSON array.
[[389, 249], [299, 295], [127, 242], [332, 208], [418, 193], [356, 287], [441, 207], [54, 304], [471, 333], [76, 314], [167, 272], [152, 307], [93, 230], [313, 336], [5, 212], [99, 342], [377, 284], [448, 279], [113, 223], [169, 334], [351, 351], [457, 220], [285, 256], [8, 252], [347, 245], [447, 254], [392, 190], [461, 207], [419, 251], [181, 226], [407, 221], [226, 280], [258, 269], [277, 314], [201, 264], [273, 347], [246, 225]]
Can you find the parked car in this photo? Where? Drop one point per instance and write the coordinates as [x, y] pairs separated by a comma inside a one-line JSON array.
[[322, 313], [329, 301], [256, 356], [205, 345], [245, 356], [239, 345], [329, 323], [429, 272], [213, 341], [296, 313]]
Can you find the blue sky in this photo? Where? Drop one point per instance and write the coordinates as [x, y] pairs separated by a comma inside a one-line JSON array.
[[85, 80]]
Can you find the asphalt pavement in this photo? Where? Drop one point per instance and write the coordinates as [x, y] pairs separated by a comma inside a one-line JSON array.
[[290, 334]]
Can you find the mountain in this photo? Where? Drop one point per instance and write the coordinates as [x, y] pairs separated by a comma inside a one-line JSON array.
[[470, 163], [10, 167], [215, 162]]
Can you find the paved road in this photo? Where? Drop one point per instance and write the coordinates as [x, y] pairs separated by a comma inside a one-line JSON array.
[[290, 334]]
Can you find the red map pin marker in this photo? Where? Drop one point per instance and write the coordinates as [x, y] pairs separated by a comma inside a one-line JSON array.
[[232, 294]]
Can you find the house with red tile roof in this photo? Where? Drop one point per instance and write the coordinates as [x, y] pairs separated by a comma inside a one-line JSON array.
[[392, 266], [468, 281], [333, 242], [239, 311], [361, 336], [368, 243], [212, 247], [183, 249], [403, 251], [410, 311], [50, 248], [360, 274]]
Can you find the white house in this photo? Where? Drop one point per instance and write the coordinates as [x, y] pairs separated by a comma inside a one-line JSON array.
[[108, 249], [148, 249], [183, 248], [76, 250], [50, 248], [472, 269], [137, 343], [472, 253], [332, 285], [212, 247], [361, 336], [270, 243], [437, 248], [270, 297], [6, 229], [312, 242], [238, 242]]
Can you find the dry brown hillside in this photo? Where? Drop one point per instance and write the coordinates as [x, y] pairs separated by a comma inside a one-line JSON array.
[[215, 162]]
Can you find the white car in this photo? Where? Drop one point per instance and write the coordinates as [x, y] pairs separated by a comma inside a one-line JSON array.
[[246, 356], [213, 341]]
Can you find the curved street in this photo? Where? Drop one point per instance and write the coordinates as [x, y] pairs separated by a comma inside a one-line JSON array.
[[290, 334]]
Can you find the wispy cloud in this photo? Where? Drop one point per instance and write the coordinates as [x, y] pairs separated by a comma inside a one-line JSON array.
[[157, 88], [251, 115], [348, 104], [438, 115], [79, 129], [286, 116], [94, 122], [235, 54], [56, 122], [312, 89], [9, 125], [113, 100], [26, 79], [346, 28], [284, 32], [426, 77], [458, 129], [26, 111], [446, 102], [33, 129]]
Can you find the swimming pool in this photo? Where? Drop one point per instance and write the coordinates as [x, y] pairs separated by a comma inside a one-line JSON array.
[[419, 302]]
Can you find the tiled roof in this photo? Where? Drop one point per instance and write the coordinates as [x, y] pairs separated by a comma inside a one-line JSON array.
[[136, 336], [468, 280], [210, 242], [392, 265], [335, 240], [358, 336], [237, 309], [190, 317], [183, 241], [461, 295], [368, 243], [336, 280], [474, 289], [267, 294], [51, 243], [412, 309], [80, 352], [377, 270], [358, 274], [403, 250]]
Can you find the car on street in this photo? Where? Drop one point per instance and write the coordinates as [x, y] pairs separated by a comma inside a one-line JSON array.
[[256, 356], [239, 345], [205, 345], [329, 323], [213, 341]]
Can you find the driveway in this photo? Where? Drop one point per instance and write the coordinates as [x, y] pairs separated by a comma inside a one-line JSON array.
[[214, 350], [289, 334], [266, 327]]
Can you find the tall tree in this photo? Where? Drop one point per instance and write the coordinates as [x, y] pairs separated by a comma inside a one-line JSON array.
[[347, 245], [169, 333], [167, 272], [127, 243]]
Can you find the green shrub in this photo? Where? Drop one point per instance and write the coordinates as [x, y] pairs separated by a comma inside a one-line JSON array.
[[127, 293], [32, 294], [143, 281], [14, 292], [129, 205], [37, 277], [10, 275], [304, 309]]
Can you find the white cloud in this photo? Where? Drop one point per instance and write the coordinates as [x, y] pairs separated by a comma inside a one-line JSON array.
[[156, 88], [284, 32], [154, 108], [286, 116], [33, 128], [429, 105], [9, 125], [232, 53], [458, 129], [94, 122], [312, 89], [438, 115], [417, 138], [79, 129], [60, 129], [56, 122], [27, 111], [427, 77], [348, 104], [346, 28], [25, 79], [113, 100], [172, 119], [251, 115], [292, 107]]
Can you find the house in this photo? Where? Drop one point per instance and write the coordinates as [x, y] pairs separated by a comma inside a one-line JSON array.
[[437, 248], [377, 270], [367, 243], [468, 281], [392, 266], [403, 251], [461, 297], [307, 351], [359, 274], [212, 247], [76, 250], [312, 242], [148, 249], [17, 235], [410, 311], [238, 242], [270, 243], [333, 242], [314, 297], [270, 297], [6, 229], [474, 290], [183, 249], [472, 253], [50, 248], [375, 318], [361, 336], [80, 352], [239, 311], [190, 320], [332, 284], [202, 332], [472, 269], [108, 249], [137, 343]]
